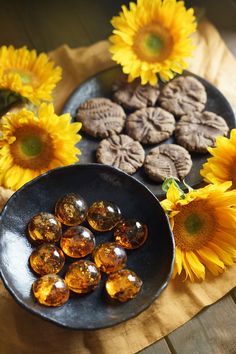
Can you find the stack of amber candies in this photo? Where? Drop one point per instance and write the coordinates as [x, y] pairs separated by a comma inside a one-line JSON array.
[[83, 275]]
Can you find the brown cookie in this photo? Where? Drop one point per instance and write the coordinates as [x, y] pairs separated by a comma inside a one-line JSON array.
[[198, 131], [183, 95], [122, 152], [167, 160], [150, 125], [101, 117], [134, 96]]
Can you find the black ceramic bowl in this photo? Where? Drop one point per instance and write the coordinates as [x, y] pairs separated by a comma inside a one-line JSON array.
[[152, 262], [101, 85]]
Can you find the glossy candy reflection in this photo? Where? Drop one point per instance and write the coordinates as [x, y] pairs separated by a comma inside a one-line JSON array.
[[71, 209], [82, 276], [123, 285], [51, 290], [109, 257], [77, 241], [44, 227], [130, 234], [103, 215], [47, 259]]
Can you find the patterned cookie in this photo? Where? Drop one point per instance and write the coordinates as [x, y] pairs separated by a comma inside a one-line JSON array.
[[134, 96], [183, 95], [198, 131], [122, 152], [167, 160], [150, 125], [101, 117]]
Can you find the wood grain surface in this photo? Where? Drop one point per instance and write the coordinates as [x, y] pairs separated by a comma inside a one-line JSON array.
[[44, 25]]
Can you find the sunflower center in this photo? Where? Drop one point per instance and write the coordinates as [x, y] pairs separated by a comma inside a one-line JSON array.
[[153, 43], [31, 145], [26, 77], [193, 223], [194, 226], [32, 148]]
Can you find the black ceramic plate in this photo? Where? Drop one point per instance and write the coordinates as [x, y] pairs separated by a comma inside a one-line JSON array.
[[152, 262], [101, 86]]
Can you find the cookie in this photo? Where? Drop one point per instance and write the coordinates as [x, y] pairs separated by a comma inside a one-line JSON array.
[[122, 152], [100, 117], [183, 95], [133, 96], [150, 125], [167, 160], [198, 131]]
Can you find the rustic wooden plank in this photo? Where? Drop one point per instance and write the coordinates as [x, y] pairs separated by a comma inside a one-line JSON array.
[[51, 24], [211, 332], [160, 347], [76, 23], [12, 30]]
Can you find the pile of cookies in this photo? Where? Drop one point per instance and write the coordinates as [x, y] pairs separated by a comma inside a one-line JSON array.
[[142, 116]]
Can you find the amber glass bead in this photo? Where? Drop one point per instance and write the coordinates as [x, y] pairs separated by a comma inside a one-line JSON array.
[[82, 276], [109, 257], [44, 227], [51, 290], [77, 241], [103, 216], [130, 234], [123, 285], [47, 259], [71, 209]]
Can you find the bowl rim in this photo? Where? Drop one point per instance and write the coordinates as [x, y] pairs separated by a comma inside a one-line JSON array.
[[55, 321]]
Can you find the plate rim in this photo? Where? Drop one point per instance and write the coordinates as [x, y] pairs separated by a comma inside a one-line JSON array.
[[63, 324]]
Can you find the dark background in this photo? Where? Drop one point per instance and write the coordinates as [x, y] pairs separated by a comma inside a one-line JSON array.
[[46, 24]]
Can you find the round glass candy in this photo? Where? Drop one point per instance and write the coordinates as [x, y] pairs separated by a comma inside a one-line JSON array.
[[77, 241], [51, 290], [44, 227], [109, 257], [82, 276], [130, 234], [123, 285], [47, 259], [71, 209], [103, 216]]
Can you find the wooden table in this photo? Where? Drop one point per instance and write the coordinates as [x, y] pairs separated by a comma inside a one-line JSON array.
[[44, 25]]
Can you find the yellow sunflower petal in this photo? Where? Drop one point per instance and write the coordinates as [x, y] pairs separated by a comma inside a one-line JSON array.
[[204, 228], [30, 76], [196, 266], [156, 34], [210, 256], [33, 144], [223, 255], [173, 193], [178, 260], [188, 269], [221, 167]]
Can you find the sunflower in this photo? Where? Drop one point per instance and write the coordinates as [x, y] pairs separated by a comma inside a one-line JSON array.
[[33, 144], [153, 37], [204, 227], [27, 75], [221, 167]]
